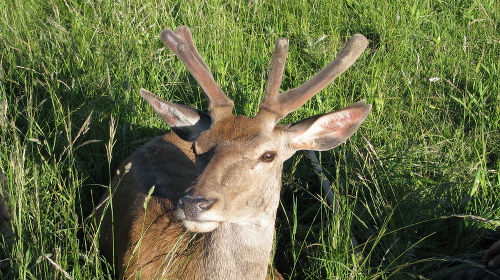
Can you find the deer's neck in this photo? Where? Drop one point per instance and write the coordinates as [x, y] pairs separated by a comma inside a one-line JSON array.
[[238, 252]]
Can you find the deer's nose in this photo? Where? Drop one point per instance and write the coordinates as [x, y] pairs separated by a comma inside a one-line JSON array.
[[193, 207]]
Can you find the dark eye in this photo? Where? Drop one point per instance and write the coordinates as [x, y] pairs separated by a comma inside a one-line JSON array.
[[268, 156]]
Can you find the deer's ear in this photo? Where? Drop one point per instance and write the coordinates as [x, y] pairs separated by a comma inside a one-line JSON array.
[[325, 132], [185, 121]]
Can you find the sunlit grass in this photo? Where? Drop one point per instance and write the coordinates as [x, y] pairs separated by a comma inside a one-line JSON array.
[[419, 182]]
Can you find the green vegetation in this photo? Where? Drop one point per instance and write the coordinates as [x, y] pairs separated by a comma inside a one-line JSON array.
[[417, 186]]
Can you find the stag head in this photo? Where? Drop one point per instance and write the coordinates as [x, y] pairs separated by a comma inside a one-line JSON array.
[[240, 158]]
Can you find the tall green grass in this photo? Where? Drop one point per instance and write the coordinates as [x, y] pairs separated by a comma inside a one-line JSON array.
[[417, 186]]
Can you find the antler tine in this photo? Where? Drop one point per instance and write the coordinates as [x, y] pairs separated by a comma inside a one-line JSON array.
[[296, 97], [186, 51], [276, 69], [184, 33]]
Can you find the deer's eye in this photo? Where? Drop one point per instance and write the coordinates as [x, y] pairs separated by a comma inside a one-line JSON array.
[[268, 156]]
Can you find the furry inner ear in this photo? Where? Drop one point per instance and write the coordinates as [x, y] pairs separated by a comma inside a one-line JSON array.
[[325, 132], [184, 121]]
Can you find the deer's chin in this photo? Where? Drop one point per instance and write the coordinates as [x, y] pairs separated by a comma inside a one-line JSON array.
[[204, 222], [200, 226]]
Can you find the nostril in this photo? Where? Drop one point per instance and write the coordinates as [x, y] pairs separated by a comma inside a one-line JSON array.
[[193, 207], [205, 204]]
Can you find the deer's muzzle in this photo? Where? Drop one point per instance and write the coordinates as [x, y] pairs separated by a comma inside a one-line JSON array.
[[194, 216], [193, 207]]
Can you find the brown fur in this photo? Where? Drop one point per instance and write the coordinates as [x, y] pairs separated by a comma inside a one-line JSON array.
[[152, 244], [201, 202]]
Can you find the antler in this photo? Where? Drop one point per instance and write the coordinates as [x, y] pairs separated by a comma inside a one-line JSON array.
[[279, 105], [282, 104], [181, 43], [276, 68]]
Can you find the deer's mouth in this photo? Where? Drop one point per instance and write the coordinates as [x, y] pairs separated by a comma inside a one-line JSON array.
[[200, 226], [198, 223], [196, 214]]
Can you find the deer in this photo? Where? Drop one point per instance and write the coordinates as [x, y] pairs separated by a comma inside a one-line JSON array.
[[201, 201]]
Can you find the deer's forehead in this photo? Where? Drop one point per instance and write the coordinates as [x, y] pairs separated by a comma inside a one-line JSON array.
[[239, 129]]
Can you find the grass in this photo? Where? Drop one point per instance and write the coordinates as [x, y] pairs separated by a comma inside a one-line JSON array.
[[417, 186]]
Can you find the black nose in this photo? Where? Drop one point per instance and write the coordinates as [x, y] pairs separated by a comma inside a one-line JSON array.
[[193, 207]]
